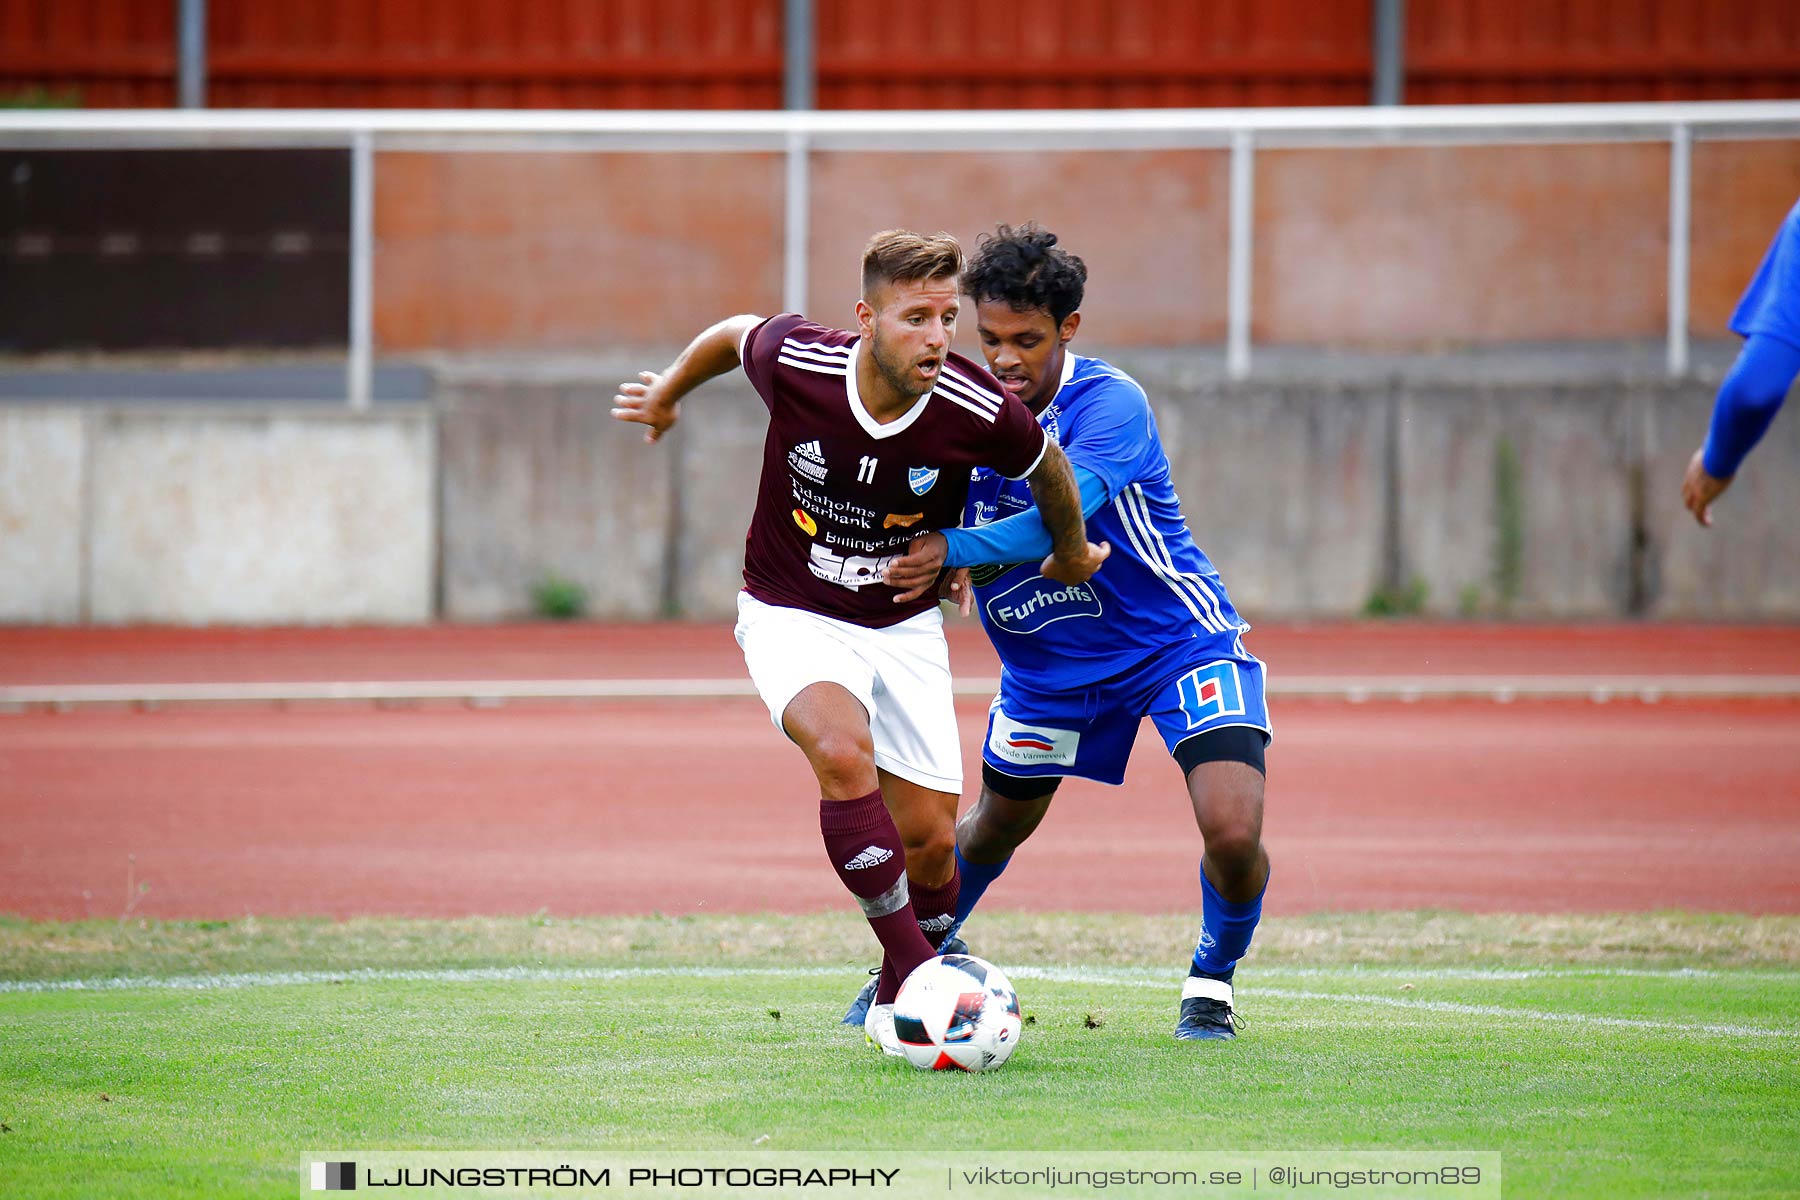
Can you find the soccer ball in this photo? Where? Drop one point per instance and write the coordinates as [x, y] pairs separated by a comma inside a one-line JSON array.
[[957, 1012]]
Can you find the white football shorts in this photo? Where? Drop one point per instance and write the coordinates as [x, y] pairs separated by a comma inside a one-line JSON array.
[[901, 674]]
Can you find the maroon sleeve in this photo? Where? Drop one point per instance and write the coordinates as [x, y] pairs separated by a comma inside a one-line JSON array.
[[760, 348], [1019, 441]]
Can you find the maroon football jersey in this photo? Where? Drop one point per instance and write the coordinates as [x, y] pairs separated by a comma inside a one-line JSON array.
[[842, 494]]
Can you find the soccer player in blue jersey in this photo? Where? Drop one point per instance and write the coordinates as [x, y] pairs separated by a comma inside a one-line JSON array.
[[1152, 634], [1768, 319]]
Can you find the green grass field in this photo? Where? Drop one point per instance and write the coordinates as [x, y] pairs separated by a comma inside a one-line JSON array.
[[1603, 1056]]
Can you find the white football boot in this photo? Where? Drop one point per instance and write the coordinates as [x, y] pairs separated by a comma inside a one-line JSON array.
[[878, 1029]]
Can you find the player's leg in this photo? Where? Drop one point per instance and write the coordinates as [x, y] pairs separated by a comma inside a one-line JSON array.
[[1034, 741], [831, 727], [914, 740], [1002, 817], [820, 692], [926, 819], [1214, 720]]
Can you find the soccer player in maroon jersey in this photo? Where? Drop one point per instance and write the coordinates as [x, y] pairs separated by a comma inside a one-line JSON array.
[[872, 438]]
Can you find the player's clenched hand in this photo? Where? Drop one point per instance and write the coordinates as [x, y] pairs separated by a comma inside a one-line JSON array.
[[1699, 489], [647, 403], [1076, 570], [916, 571]]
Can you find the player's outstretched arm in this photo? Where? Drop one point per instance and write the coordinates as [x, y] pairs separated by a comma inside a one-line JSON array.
[[1073, 559], [655, 400], [1748, 400]]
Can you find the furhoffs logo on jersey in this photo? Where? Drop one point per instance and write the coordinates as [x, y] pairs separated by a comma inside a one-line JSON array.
[[1032, 745], [1034, 602], [804, 520], [920, 479], [872, 856], [808, 459], [1212, 692]]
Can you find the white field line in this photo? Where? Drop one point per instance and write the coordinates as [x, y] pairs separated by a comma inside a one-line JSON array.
[[1356, 689], [1047, 974]]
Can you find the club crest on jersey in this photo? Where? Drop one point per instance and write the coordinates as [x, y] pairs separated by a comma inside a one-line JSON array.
[[1211, 692], [920, 479], [1034, 602], [1032, 745]]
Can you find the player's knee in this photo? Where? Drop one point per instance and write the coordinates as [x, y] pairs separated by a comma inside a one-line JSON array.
[[843, 759], [978, 838], [1234, 843], [994, 827], [930, 855]]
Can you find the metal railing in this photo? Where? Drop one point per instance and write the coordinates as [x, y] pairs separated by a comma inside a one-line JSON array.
[[797, 135]]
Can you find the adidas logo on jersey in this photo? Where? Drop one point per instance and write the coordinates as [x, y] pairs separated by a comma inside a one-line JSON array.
[[872, 856], [808, 459]]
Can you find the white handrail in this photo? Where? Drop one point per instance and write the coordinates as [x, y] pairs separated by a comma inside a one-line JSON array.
[[777, 125], [797, 134]]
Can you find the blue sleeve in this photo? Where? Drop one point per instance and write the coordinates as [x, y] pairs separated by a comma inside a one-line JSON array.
[[1771, 304], [1021, 537], [1110, 431], [1748, 400]]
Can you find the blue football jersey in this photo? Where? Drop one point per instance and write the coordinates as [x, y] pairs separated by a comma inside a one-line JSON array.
[[1771, 304], [1155, 590]]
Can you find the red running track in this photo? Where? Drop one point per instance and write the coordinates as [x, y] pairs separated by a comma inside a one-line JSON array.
[[582, 651], [699, 806]]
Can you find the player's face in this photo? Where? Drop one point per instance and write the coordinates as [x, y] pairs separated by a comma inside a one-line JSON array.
[[906, 327], [1024, 350]]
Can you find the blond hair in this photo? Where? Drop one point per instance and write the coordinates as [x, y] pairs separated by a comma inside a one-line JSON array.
[[902, 256]]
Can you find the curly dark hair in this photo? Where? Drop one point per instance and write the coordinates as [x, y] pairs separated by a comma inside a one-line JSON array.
[[1024, 267]]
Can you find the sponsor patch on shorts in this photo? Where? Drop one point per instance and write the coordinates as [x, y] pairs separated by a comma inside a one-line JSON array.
[[1032, 745]]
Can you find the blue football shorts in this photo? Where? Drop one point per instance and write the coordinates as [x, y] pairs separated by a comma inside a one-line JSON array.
[[1187, 689]]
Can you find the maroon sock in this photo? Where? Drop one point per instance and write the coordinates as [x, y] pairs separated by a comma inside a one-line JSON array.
[[865, 850], [888, 986], [936, 907]]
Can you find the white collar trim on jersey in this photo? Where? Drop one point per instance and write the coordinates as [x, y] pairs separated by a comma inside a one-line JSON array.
[[871, 426], [1068, 372]]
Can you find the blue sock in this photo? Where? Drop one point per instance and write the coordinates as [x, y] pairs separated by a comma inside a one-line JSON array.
[[975, 880], [1225, 930]]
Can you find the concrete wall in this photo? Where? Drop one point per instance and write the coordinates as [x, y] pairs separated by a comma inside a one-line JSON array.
[[42, 474], [1311, 494], [1748, 564], [540, 481], [250, 516]]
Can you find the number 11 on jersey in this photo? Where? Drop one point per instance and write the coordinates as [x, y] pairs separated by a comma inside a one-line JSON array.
[[865, 469]]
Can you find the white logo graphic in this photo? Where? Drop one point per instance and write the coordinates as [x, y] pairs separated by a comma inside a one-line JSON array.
[[920, 479], [1206, 941], [1032, 745], [936, 924], [852, 571], [872, 856], [1035, 602], [808, 459]]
